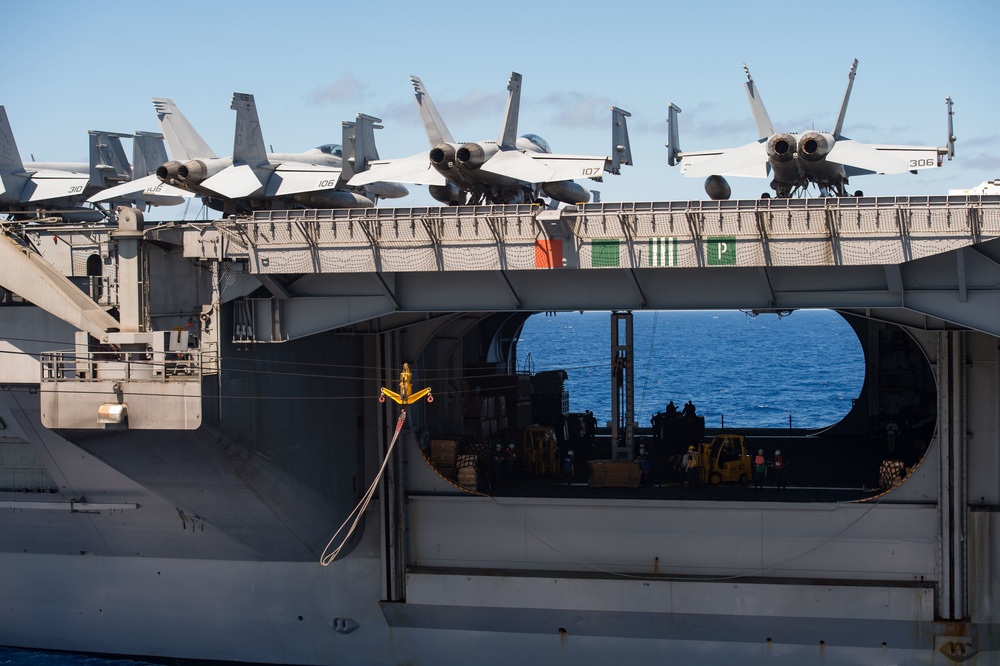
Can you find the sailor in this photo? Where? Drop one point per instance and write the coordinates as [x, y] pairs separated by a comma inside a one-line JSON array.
[[891, 433], [688, 411], [657, 423], [568, 469], [671, 410], [759, 470], [589, 426], [645, 467], [690, 465], [509, 460], [779, 470], [496, 466], [728, 452]]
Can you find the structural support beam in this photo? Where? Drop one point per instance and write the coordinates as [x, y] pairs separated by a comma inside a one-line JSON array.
[[952, 500], [31, 277], [622, 386]]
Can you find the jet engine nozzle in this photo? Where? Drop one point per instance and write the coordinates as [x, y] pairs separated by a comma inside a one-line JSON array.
[[814, 146], [442, 156], [195, 172], [168, 171], [717, 188], [474, 155], [781, 148]]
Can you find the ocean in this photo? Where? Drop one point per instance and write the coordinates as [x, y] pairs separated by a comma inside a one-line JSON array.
[[740, 371]]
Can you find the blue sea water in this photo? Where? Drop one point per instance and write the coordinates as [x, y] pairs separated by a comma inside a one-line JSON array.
[[740, 371]]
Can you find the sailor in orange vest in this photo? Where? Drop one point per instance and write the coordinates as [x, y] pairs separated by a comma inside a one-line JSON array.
[[779, 470], [759, 469]]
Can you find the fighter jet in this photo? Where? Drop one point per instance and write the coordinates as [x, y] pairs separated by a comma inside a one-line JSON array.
[[795, 161], [253, 179], [58, 189], [509, 170]]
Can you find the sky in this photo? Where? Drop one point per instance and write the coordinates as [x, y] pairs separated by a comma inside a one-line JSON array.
[[310, 65]]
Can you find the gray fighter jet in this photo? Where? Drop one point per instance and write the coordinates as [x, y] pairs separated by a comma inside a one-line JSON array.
[[59, 189], [509, 170], [253, 179], [796, 161]]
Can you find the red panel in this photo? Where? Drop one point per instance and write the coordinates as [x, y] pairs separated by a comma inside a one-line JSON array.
[[548, 253]]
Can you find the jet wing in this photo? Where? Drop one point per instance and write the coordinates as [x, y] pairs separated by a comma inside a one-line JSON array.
[[518, 165], [568, 167], [149, 189], [873, 158], [46, 184], [415, 169], [294, 178], [235, 182], [749, 160]]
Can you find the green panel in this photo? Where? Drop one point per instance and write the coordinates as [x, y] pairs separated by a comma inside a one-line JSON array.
[[604, 252], [721, 251]]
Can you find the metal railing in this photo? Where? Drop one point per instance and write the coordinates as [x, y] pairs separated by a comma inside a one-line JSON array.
[[768, 232], [166, 366]]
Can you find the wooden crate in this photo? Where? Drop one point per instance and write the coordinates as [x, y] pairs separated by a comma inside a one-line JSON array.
[[444, 451], [614, 474], [467, 477]]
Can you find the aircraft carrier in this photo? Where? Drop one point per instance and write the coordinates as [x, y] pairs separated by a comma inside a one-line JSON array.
[[190, 411]]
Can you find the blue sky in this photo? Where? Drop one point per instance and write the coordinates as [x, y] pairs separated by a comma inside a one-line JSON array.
[[310, 65]]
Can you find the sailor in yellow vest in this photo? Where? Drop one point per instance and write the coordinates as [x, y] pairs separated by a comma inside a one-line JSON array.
[[690, 464]]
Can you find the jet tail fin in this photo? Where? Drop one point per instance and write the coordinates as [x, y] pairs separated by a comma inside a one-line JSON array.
[[248, 143], [108, 164], [508, 126], [621, 150], [437, 131], [951, 128], [148, 152], [10, 159], [183, 140], [838, 128], [673, 135], [359, 145], [760, 117]]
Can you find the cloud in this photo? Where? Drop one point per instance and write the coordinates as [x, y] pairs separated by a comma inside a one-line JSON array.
[[988, 162], [702, 120], [575, 109], [474, 104], [346, 87]]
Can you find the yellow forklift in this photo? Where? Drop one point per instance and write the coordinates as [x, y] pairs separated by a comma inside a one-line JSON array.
[[540, 451], [724, 460]]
